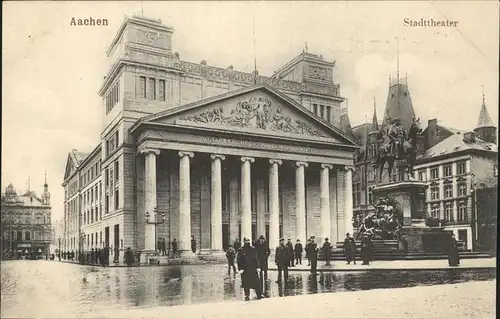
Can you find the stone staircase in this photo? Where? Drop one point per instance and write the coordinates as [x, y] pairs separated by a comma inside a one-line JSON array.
[[388, 250]]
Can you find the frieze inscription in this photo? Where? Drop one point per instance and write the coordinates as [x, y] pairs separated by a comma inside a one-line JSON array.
[[257, 112], [254, 144]]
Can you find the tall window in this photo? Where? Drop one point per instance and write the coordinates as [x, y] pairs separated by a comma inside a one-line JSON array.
[[116, 199], [435, 211], [462, 212], [142, 87], [434, 173], [462, 189], [448, 212], [329, 113], [435, 193], [152, 89], [106, 204], [461, 168], [448, 191], [27, 235], [19, 235], [161, 90], [116, 171], [92, 215], [106, 178], [322, 111], [421, 175], [447, 170]]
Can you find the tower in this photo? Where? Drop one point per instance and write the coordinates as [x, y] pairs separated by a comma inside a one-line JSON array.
[[485, 129], [46, 193]]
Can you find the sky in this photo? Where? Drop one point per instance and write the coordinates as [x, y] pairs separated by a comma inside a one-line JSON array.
[[51, 71]]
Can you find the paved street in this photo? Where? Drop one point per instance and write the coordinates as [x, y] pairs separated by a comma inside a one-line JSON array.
[[83, 291]]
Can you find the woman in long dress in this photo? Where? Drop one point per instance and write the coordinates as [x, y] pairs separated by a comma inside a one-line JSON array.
[[453, 256]]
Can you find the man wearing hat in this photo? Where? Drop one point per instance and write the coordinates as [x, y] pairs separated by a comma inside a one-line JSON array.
[[313, 255], [289, 245], [350, 249], [327, 251], [282, 260], [298, 252], [397, 136], [263, 252], [248, 267]]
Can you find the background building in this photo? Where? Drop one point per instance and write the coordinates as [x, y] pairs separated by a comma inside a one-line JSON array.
[[26, 223], [146, 77]]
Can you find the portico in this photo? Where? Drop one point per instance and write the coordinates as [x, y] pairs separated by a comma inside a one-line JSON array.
[[249, 163]]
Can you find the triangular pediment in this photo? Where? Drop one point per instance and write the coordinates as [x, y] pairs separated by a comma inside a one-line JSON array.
[[257, 109], [70, 166]]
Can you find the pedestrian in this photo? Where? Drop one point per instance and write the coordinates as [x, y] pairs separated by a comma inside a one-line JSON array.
[[193, 244], [129, 257], [59, 255], [92, 256], [308, 256], [230, 255], [263, 252], [106, 256], [327, 251], [453, 255], [163, 247], [313, 254], [289, 245], [98, 256], [248, 268], [298, 252], [366, 249], [174, 248], [349, 249], [282, 260]]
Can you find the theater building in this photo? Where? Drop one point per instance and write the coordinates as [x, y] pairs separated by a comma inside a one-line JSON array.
[[220, 154]]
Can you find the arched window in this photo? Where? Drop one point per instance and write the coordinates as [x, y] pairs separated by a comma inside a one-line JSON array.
[[27, 235]]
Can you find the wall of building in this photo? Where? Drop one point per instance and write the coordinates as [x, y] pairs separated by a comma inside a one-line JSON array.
[[483, 168]]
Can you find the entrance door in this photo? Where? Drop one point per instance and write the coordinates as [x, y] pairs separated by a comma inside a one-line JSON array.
[[117, 241], [225, 236], [267, 233], [254, 232], [462, 236], [106, 237]]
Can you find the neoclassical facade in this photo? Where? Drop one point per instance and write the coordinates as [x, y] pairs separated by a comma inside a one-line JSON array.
[[220, 153]]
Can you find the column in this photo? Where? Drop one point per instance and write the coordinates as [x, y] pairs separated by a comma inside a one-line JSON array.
[[216, 202], [325, 200], [300, 201], [348, 209], [150, 197], [185, 201], [274, 203], [246, 198]]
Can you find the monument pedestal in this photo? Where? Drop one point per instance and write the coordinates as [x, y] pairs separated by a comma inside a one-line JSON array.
[[410, 196]]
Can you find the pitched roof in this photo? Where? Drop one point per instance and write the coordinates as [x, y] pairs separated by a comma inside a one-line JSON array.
[[399, 105], [360, 132], [455, 143], [484, 119], [79, 156]]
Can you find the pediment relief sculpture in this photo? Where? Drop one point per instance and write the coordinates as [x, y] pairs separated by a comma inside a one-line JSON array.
[[257, 112]]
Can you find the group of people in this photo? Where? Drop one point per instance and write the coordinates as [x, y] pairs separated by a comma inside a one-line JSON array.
[[174, 246], [94, 256]]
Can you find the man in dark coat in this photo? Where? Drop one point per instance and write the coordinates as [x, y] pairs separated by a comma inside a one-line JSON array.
[[248, 268], [230, 255], [193, 244], [289, 245], [129, 257], [92, 256], [282, 260], [366, 249], [163, 247], [105, 256], [350, 249], [327, 251], [298, 252], [263, 252], [313, 255], [453, 255]]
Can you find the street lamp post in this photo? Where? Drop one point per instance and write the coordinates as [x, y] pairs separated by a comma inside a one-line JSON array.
[[156, 223]]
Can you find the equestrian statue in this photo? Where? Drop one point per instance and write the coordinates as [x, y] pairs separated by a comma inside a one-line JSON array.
[[401, 146]]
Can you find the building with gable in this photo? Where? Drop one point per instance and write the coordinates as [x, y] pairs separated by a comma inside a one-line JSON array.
[[194, 150], [26, 223]]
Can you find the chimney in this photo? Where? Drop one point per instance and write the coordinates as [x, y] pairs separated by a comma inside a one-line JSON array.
[[469, 137], [432, 133]]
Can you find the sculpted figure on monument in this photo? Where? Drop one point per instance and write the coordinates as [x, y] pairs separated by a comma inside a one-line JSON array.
[[384, 222], [401, 146]]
